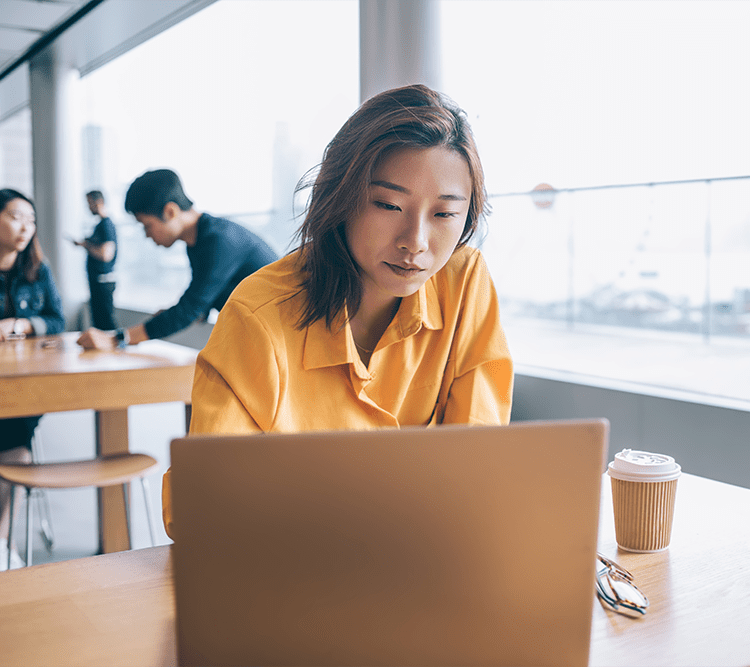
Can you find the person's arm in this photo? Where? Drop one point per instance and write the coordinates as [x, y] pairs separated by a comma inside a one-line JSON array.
[[50, 319], [214, 263], [104, 252], [210, 275], [96, 339], [228, 387], [237, 380], [482, 386], [216, 409], [483, 395], [12, 325], [102, 244]]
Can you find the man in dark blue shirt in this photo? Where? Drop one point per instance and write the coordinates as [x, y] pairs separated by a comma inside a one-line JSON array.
[[101, 248], [221, 254]]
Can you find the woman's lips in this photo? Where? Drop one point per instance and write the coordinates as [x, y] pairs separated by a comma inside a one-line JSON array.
[[404, 270]]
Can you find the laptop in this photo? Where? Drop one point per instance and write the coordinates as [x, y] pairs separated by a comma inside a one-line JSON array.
[[452, 545]]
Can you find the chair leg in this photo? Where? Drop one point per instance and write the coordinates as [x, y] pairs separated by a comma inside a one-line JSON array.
[[10, 523], [40, 495], [29, 528], [149, 509], [12, 509], [126, 502], [45, 520]]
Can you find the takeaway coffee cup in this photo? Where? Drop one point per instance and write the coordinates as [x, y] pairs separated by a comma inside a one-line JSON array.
[[644, 486]]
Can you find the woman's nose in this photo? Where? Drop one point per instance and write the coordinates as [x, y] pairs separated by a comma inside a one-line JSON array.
[[414, 236]]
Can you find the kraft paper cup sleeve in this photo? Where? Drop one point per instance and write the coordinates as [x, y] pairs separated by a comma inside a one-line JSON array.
[[644, 487]]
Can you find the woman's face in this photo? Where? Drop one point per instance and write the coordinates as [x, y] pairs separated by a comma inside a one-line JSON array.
[[17, 226], [414, 214]]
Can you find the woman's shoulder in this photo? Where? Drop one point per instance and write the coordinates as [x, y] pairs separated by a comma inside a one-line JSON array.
[[464, 273], [270, 285], [464, 261], [43, 273]]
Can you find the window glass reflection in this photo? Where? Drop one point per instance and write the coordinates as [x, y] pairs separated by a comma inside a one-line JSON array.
[[224, 99]]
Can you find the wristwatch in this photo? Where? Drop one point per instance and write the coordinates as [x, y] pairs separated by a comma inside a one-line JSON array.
[[122, 337]]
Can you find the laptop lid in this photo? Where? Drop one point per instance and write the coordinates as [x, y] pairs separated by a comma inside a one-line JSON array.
[[452, 545]]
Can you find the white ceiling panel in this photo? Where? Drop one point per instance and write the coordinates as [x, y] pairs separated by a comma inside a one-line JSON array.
[[23, 22], [108, 29], [17, 40], [35, 15]]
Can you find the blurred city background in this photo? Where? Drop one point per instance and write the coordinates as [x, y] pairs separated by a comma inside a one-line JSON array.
[[647, 149]]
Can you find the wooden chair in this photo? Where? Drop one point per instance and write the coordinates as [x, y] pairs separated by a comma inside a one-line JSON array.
[[98, 472]]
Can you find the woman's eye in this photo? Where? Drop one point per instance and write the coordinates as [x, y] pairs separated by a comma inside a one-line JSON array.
[[446, 214], [386, 206]]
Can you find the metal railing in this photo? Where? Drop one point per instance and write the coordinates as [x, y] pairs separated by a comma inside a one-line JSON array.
[[668, 256]]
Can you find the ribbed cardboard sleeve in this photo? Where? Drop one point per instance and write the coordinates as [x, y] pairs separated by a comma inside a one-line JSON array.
[[643, 514]]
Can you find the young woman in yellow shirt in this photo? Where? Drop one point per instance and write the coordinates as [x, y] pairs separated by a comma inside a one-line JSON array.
[[383, 316]]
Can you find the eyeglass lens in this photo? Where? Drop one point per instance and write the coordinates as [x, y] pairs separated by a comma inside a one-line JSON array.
[[615, 588]]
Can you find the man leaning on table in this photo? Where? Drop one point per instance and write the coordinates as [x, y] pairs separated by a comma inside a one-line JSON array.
[[221, 254]]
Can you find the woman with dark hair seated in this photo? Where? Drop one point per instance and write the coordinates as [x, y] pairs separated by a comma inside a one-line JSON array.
[[383, 316], [29, 305]]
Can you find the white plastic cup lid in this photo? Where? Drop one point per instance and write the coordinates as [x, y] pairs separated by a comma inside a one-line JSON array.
[[632, 465]]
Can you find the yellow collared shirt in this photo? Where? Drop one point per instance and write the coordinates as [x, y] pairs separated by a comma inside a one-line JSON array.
[[442, 360]]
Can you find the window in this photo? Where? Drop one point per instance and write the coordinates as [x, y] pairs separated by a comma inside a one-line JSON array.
[[237, 99], [15, 153], [632, 112]]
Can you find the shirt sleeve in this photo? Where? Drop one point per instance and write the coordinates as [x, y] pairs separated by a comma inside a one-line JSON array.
[[50, 319], [103, 232], [237, 375], [216, 408], [224, 383], [166, 503], [482, 370], [212, 265]]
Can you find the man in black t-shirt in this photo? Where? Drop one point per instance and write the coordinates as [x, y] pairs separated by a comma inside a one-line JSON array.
[[101, 247]]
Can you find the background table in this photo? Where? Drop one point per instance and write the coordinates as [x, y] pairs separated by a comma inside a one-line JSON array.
[[53, 374], [118, 609]]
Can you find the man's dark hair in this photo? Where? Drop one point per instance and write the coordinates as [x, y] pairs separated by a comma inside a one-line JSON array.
[[95, 195], [152, 191]]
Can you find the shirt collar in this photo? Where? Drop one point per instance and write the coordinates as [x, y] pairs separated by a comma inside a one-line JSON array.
[[335, 346]]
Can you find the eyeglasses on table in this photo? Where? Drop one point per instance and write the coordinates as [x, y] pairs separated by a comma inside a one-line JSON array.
[[615, 588]]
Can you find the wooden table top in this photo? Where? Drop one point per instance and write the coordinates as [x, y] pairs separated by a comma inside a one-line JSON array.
[[53, 374], [118, 609], [698, 589]]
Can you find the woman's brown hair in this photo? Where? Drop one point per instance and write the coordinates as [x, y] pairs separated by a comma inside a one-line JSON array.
[[409, 117], [30, 258]]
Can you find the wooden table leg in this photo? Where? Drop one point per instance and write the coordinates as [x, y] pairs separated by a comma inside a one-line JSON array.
[[112, 438]]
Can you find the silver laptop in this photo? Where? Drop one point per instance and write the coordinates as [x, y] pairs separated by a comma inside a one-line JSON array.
[[445, 546]]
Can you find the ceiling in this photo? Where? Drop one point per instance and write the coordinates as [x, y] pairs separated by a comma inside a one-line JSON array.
[[23, 22], [77, 34]]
